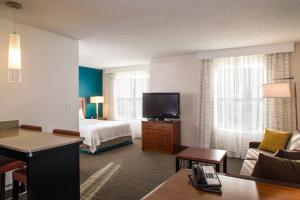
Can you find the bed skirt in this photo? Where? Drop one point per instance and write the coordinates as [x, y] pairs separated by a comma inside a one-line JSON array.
[[108, 145]]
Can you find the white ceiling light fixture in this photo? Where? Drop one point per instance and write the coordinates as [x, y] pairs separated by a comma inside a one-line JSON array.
[[14, 51]]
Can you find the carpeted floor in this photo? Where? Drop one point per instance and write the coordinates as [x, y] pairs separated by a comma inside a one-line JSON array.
[[127, 173]]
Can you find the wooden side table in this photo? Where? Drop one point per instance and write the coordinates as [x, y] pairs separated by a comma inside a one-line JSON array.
[[211, 156]]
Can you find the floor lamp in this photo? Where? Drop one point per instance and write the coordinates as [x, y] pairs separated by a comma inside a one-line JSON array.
[[97, 100], [281, 90]]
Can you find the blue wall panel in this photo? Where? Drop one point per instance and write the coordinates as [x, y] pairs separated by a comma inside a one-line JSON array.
[[91, 84]]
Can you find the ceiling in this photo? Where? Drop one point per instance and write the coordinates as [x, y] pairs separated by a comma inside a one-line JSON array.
[[132, 32]]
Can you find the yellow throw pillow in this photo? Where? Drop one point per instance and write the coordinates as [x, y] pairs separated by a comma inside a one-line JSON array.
[[274, 140]]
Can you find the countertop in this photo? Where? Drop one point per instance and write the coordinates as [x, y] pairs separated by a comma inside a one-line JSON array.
[[28, 141]]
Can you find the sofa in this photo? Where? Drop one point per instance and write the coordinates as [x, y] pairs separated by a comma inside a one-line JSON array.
[[253, 152]]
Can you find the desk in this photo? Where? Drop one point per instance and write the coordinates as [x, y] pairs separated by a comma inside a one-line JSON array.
[[52, 162], [178, 187]]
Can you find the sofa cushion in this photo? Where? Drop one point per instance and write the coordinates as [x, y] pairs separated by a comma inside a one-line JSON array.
[[274, 140], [247, 168], [291, 155], [277, 169], [252, 154], [294, 141]]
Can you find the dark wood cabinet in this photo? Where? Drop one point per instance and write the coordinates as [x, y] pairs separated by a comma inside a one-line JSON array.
[[161, 136]]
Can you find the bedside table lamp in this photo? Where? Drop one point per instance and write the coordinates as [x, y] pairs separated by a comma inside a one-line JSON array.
[[97, 100]]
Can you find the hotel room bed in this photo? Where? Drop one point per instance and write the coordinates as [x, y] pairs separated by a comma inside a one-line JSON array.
[[101, 135]]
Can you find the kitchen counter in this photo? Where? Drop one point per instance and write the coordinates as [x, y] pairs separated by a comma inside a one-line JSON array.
[[29, 141]]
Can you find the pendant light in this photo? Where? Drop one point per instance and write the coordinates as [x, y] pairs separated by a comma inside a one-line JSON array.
[[14, 51]]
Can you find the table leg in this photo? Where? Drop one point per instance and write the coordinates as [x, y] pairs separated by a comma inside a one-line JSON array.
[[225, 164], [218, 167], [54, 174], [2, 186], [190, 164], [16, 190], [177, 165]]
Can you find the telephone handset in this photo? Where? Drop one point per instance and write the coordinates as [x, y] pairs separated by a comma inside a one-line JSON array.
[[199, 175], [205, 179]]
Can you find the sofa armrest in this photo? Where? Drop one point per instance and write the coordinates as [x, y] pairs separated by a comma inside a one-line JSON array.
[[254, 145]]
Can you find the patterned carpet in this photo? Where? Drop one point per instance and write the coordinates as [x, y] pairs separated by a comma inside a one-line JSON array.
[[128, 173]]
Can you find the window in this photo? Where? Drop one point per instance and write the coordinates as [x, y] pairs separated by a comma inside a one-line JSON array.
[[128, 88], [124, 96], [237, 101]]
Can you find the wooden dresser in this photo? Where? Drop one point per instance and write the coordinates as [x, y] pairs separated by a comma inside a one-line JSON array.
[[161, 136]]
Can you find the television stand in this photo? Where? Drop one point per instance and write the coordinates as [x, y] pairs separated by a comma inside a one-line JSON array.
[[162, 119], [161, 136]]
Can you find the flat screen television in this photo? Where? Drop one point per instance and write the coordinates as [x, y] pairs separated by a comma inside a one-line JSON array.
[[161, 105]]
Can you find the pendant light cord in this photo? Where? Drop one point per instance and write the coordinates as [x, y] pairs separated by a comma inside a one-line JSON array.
[[14, 13], [15, 6]]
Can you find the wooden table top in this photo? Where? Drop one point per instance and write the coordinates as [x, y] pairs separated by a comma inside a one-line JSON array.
[[178, 187], [29, 141], [202, 155]]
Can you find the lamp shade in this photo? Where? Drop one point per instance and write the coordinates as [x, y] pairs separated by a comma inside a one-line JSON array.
[[97, 99], [14, 53], [274, 90], [14, 59]]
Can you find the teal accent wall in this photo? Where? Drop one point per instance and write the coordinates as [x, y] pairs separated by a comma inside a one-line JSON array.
[[91, 84]]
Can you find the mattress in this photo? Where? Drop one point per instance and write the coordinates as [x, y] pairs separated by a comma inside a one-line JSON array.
[[95, 132]]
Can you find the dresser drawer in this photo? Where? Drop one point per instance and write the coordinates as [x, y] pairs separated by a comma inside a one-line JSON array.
[[157, 126], [157, 133], [164, 144], [150, 144], [165, 135]]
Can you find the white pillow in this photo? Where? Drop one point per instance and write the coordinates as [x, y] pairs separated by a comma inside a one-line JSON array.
[[294, 141], [81, 115]]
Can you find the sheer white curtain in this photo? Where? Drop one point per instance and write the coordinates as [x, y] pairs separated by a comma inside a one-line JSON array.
[[232, 111], [237, 102], [123, 91], [205, 104]]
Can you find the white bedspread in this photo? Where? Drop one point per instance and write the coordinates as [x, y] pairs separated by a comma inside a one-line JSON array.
[[97, 131]]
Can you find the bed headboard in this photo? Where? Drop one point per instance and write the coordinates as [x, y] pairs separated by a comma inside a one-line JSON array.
[[82, 105]]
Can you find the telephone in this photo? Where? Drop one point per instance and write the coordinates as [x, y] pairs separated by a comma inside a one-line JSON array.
[[205, 178]]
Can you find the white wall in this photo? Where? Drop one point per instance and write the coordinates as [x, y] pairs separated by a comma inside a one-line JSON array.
[[49, 79], [180, 74]]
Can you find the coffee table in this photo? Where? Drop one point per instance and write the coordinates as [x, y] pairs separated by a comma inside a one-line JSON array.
[[211, 156]]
